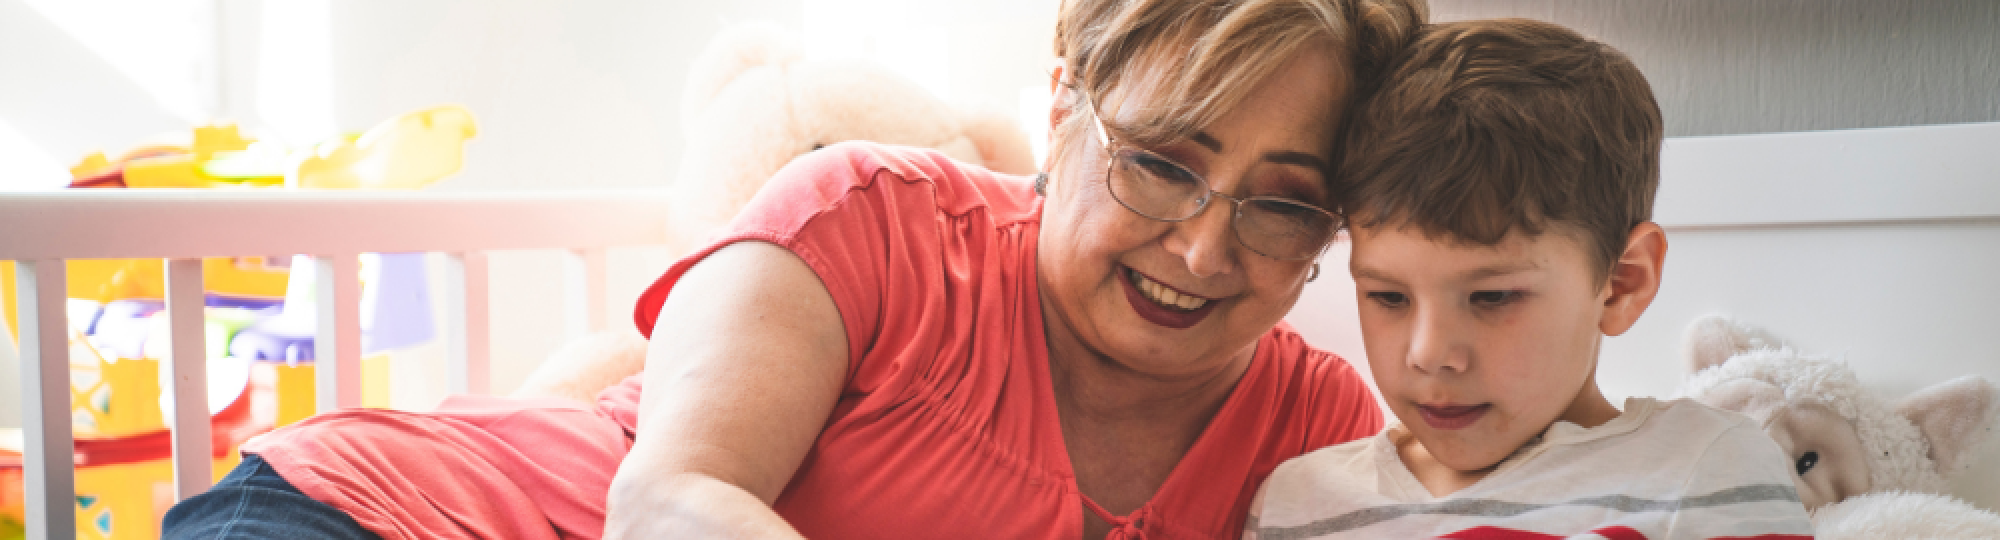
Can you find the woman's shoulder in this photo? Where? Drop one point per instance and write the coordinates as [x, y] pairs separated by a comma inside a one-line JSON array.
[[1317, 389], [956, 187], [1288, 353]]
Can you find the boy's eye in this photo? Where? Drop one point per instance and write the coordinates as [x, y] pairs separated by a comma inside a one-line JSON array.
[[1388, 299], [1494, 298]]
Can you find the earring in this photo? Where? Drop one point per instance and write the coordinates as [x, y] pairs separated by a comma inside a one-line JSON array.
[[1042, 184], [1314, 275]]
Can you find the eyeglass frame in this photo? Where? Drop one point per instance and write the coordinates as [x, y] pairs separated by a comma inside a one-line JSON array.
[[1105, 141]]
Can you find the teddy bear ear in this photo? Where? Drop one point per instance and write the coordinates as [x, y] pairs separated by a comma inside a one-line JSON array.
[[1002, 146], [737, 49], [1957, 417], [1712, 339]]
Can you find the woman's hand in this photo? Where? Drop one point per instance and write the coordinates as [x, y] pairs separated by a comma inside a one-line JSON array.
[[746, 362]]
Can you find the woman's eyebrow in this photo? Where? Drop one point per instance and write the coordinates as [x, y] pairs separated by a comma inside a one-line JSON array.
[[1206, 140], [1297, 158], [1283, 157]]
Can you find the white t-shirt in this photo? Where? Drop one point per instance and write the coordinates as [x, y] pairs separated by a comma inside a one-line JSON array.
[[1671, 470]]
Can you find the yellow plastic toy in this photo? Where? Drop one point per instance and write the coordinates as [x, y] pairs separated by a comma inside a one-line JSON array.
[[406, 152]]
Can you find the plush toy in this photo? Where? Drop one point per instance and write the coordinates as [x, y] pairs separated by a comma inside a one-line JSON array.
[[1902, 514], [1868, 468], [753, 102]]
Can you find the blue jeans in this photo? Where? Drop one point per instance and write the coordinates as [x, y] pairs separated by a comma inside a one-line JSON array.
[[254, 502]]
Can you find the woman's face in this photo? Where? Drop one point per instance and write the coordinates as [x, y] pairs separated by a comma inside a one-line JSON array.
[[1104, 269]]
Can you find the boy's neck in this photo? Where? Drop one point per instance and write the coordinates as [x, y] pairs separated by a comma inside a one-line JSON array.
[[1589, 410], [1439, 479]]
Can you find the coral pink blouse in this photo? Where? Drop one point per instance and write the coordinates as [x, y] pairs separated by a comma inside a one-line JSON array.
[[946, 426]]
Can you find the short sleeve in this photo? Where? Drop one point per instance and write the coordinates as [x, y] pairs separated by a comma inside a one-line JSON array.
[[866, 218]]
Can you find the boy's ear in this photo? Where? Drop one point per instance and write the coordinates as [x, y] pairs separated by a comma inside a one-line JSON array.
[[1634, 278]]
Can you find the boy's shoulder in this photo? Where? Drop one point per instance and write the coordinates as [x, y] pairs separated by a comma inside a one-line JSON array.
[[1352, 458], [1666, 458]]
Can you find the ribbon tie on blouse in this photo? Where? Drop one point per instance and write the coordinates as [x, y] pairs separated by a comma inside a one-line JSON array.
[[1122, 527]]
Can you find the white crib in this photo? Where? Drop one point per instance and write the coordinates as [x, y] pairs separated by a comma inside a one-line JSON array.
[[41, 230]]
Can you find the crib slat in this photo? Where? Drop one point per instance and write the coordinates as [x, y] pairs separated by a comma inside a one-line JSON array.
[[337, 341], [584, 299], [188, 369], [467, 344], [41, 294]]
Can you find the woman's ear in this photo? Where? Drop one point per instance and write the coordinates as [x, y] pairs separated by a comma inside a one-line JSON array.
[[1059, 99], [1634, 278]]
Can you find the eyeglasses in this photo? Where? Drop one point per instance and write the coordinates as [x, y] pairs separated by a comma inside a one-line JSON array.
[[1151, 185]]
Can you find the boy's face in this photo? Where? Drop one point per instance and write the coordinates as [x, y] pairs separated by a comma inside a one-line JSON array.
[[1477, 349]]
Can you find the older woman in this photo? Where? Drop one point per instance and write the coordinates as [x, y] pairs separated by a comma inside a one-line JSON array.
[[916, 349], [888, 344]]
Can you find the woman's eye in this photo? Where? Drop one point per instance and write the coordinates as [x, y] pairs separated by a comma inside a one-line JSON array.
[[1388, 299], [1159, 168], [1806, 462], [1296, 211], [1494, 298]]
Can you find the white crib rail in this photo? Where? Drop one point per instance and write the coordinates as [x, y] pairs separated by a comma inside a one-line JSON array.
[[42, 230]]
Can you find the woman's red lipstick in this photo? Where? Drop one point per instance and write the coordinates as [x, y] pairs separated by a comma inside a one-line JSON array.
[[1452, 416], [1158, 314]]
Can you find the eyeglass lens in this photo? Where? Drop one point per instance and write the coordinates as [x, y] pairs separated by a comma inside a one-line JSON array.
[[1159, 188]]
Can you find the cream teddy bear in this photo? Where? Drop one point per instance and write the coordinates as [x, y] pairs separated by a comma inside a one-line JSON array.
[[753, 101], [1866, 467]]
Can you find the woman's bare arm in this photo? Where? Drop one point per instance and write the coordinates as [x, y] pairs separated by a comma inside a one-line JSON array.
[[745, 364]]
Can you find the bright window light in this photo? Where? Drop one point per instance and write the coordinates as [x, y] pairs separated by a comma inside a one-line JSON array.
[[907, 36], [295, 72], [163, 46], [1034, 119], [24, 166]]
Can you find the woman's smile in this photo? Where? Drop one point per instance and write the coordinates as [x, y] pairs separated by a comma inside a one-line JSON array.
[[1163, 305]]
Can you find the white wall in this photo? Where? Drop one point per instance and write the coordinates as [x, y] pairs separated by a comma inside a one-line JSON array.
[[1730, 66]]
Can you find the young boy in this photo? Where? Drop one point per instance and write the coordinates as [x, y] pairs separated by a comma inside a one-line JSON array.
[[1499, 190]]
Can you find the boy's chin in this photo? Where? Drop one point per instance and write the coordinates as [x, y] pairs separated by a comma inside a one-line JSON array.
[[1465, 457], [1474, 464]]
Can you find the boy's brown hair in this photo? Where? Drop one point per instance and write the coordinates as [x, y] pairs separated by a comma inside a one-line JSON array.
[[1483, 127]]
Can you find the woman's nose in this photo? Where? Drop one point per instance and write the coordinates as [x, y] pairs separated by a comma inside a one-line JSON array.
[[1205, 240], [1437, 343]]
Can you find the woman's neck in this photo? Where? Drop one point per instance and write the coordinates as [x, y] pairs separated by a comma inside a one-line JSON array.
[[1126, 431], [1102, 390]]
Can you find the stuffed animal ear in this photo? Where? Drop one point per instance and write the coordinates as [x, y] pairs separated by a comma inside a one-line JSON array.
[[1957, 417], [1002, 146], [1712, 339], [735, 50]]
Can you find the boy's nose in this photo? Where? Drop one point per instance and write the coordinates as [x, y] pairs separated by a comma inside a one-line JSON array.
[[1437, 344]]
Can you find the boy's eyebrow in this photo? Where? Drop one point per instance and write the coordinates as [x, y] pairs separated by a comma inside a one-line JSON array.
[[1476, 274], [1501, 269], [1362, 271]]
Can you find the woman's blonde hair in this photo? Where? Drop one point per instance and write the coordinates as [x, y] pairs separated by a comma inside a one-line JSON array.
[[1204, 56]]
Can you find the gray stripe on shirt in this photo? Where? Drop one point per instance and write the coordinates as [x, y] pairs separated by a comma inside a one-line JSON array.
[[1494, 508]]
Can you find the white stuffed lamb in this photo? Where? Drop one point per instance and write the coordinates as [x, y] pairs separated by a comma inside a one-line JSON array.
[[1867, 468]]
